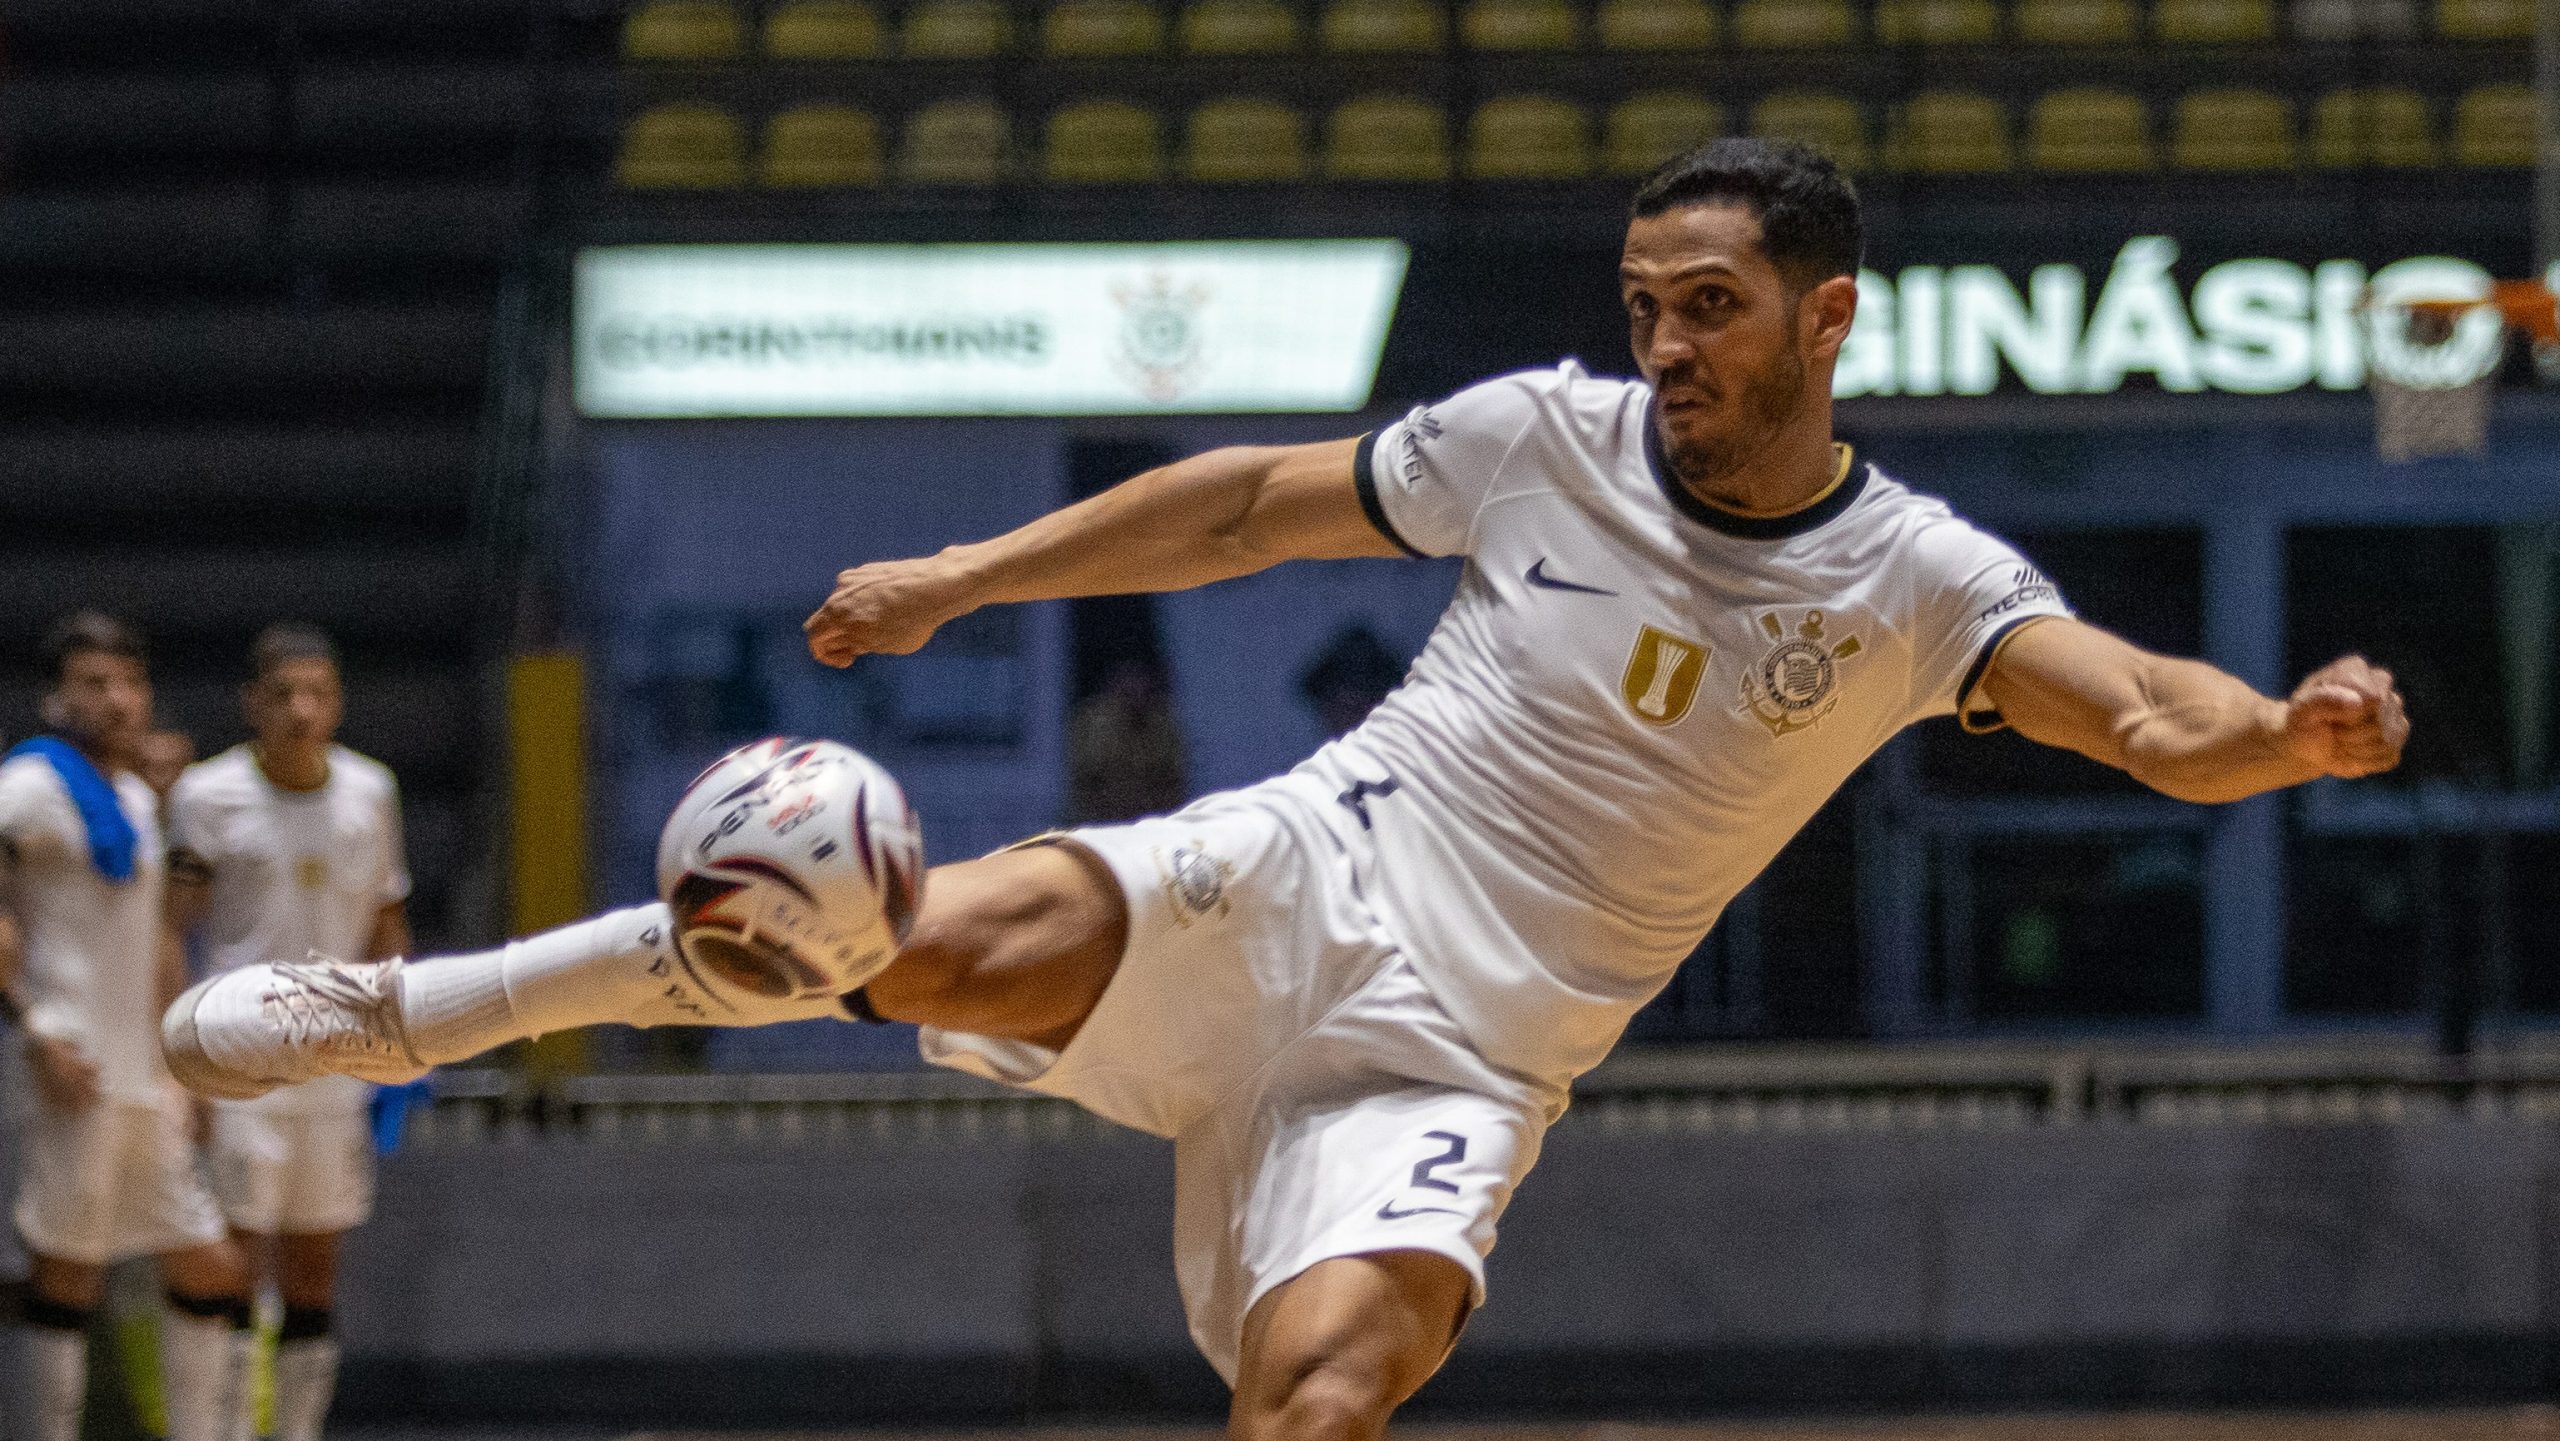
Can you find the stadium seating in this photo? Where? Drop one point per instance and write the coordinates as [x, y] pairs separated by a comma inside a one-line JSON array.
[[682, 147], [1102, 142], [2232, 129], [1937, 22], [2485, 19], [1239, 27], [820, 145], [2214, 22], [824, 30], [2344, 20], [684, 30], [1103, 29], [955, 142], [1528, 137], [957, 30], [2075, 22], [1794, 24], [1241, 138], [1831, 123], [1646, 129], [2089, 129], [1386, 137], [1384, 26], [2493, 127], [1951, 132], [1656, 25], [1520, 25], [2385, 126]]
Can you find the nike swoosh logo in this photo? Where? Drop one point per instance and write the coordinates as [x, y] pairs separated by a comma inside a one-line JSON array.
[[1538, 576], [1388, 1212]]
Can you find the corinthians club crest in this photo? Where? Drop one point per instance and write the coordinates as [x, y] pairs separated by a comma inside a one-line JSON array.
[[1797, 682], [1160, 335], [1195, 881]]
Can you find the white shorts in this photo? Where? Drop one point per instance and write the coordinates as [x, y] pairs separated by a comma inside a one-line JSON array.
[[115, 1181], [292, 1173], [1321, 1102]]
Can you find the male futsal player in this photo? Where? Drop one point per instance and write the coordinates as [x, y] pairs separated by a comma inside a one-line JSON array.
[[109, 1167], [282, 846], [1355, 995]]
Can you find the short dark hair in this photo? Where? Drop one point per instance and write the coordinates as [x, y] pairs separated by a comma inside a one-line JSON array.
[[85, 631], [288, 641], [1808, 211]]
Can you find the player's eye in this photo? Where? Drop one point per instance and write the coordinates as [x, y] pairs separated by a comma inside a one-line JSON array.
[[1640, 305]]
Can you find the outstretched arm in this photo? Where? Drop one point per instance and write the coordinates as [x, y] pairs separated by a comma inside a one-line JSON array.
[[2184, 728], [1212, 517]]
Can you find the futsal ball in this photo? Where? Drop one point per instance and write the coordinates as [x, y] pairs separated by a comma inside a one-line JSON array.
[[793, 869]]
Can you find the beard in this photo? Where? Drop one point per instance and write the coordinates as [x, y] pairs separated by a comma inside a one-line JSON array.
[[1766, 405]]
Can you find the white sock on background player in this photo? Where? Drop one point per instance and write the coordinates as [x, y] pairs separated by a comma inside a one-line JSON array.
[[242, 1424], [56, 1358], [200, 1374], [306, 1379]]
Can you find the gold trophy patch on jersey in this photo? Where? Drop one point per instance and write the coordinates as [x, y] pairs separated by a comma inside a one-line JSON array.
[[1798, 682], [1662, 675]]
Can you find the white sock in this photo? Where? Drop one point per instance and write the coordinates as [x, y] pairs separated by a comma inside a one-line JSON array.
[[620, 966], [242, 1424], [200, 1375], [306, 1377], [57, 1378]]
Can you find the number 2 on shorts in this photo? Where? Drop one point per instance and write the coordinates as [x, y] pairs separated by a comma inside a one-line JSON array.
[[1456, 1152]]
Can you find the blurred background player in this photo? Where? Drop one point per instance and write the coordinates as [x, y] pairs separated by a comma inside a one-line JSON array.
[[107, 1158], [283, 845]]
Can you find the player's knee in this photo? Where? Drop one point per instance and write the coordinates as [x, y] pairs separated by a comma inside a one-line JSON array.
[[1328, 1398]]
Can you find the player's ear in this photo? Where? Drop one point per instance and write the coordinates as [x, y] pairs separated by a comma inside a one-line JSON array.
[[1827, 311], [52, 711]]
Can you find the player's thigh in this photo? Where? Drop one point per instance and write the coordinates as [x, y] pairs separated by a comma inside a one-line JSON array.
[[1019, 945], [1332, 1351], [307, 1268]]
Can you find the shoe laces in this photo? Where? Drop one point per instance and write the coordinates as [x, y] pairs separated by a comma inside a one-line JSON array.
[[336, 1007]]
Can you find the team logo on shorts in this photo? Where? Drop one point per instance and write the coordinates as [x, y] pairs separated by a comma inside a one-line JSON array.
[[1195, 881], [1662, 675], [1798, 682]]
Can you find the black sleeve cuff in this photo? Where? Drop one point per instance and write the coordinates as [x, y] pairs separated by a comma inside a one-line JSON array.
[[1364, 479], [1988, 721]]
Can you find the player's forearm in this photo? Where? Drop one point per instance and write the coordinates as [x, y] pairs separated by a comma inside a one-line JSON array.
[[2202, 735]]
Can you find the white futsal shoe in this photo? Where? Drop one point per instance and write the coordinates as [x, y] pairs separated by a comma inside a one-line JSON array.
[[246, 1032]]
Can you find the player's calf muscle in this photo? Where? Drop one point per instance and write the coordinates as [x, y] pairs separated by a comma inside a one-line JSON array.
[[1019, 944]]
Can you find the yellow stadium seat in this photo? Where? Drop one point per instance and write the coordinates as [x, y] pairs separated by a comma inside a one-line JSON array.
[[682, 147], [820, 145], [1102, 142], [2493, 127], [1520, 25], [1794, 24], [2333, 20], [1386, 137], [1528, 137], [1937, 22], [1656, 25], [2381, 126], [684, 30], [1951, 132], [1829, 122], [824, 30], [1384, 26], [1240, 138], [2485, 19], [1647, 129], [2075, 22], [2232, 129], [955, 142], [1103, 28], [1239, 27], [2214, 22], [2089, 129], [957, 30]]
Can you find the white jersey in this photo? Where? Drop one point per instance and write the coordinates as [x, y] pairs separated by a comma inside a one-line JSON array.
[[1635, 698], [92, 945], [290, 872]]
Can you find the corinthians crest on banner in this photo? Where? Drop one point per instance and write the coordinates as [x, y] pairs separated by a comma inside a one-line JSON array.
[[1160, 347], [1797, 682]]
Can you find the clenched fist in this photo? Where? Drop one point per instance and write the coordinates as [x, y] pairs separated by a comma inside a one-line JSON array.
[[2346, 719], [889, 607]]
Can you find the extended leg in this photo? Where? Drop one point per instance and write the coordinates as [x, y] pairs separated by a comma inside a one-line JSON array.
[[1331, 1353]]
